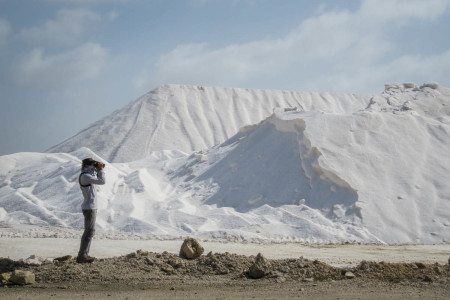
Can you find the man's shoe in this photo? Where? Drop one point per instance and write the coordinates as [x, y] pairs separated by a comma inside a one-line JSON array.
[[85, 259]]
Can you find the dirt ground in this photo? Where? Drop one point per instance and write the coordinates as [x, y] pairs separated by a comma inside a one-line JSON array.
[[150, 275], [348, 289]]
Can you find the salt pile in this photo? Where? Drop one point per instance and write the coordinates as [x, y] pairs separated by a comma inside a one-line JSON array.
[[312, 167], [191, 118]]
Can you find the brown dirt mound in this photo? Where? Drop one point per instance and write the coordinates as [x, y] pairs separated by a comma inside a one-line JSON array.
[[141, 266]]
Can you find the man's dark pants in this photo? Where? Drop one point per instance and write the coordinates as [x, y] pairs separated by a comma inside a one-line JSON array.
[[89, 230]]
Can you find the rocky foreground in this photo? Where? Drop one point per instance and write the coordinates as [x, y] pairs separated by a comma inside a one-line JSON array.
[[149, 275], [142, 267]]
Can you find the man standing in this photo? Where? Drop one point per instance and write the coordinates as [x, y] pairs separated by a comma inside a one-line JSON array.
[[91, 173]]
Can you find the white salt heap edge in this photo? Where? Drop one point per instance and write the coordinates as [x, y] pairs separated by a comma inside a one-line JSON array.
[[318, 168]]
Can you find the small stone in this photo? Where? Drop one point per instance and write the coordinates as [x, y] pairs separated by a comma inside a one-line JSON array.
[[5, 276], [141, 252], [22, 277], [168, 269], [310, 279], [420, 265], [63, 258], [32, 260], [149, 261], [175, 263], [277, 275], [349, 275]]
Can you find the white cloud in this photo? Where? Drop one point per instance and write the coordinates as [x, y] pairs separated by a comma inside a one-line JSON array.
[[400, 10], [46, 70], [319, 51], [67, 29], [420, 68], [4, 31], [406, 68]]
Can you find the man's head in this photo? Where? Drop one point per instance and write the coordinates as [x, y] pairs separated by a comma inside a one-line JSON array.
[[90, 162], [87, 162]]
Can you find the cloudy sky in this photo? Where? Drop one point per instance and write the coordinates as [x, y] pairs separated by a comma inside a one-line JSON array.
[[66, 63]]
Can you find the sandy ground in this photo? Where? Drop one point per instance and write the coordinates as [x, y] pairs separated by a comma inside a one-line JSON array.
[[255, 290], [336, 255]]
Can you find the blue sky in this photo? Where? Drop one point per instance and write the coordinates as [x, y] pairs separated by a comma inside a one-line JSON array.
[[64, 64]]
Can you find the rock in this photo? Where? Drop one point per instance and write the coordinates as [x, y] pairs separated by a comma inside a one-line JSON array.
[[168, 269], [5, 276], [438, 270], [409, 85], [32, 260], [431, 85], [260, 268], [420, 265], [191, 248], [47, 261], [277, 275], [175, 263], [63, 258], [349, 275], [22, 277], [141, 252], [149, 261]]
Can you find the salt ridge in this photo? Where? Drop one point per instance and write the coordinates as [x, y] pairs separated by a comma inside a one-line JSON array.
[[192, 118]]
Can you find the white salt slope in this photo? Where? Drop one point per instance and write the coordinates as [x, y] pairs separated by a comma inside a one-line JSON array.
[[384, 167], [378, 172], [161, 195], [191, 118], [41, 189], [395, 153]]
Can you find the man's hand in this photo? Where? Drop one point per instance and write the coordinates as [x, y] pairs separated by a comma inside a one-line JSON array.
[[100, 166]]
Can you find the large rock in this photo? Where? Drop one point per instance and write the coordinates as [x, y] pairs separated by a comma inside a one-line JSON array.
[[260, 268], [22, 277], [191, 248]]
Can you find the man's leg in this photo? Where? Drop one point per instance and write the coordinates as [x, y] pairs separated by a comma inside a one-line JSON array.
[[89, 230]]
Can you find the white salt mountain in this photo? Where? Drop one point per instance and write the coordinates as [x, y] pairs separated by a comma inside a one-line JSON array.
[[192, 118], [338, 168]]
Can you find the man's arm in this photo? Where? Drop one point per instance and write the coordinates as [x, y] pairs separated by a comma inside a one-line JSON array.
[[90, 179]]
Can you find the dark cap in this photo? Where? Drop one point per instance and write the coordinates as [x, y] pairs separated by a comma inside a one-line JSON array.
[[87, 162]]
